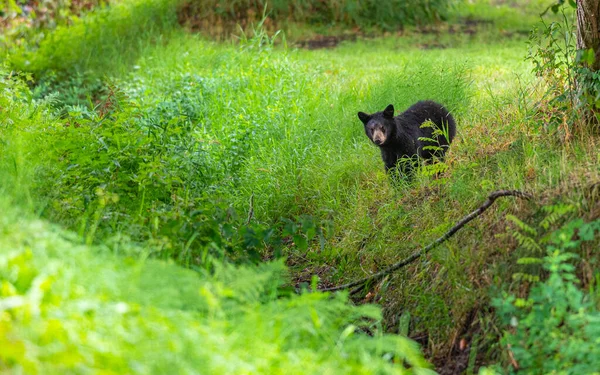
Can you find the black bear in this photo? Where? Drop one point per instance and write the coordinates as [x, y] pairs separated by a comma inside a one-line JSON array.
[[424, 131]]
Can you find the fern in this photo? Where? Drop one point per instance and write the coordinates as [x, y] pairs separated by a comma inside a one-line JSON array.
[[530, 260], [434, 169], [66, 308], [555, 329], [526, 242], [521, 276], [522, 226], [555, 213]]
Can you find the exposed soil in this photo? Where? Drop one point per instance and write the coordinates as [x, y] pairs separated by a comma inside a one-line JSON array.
[[433, 45], [219, 29], [467, 26], [456, 361], [304, 277], [322, 41]]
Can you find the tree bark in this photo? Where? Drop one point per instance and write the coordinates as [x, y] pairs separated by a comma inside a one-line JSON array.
[[588, 28]]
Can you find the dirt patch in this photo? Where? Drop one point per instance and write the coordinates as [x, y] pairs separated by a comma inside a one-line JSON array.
[[456, 361], [468, 26], [324, 41], [471, 26], [305, 275], [434, 45]]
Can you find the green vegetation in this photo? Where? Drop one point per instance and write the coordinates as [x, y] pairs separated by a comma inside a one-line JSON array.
[[556, 308], [185, 187], [68, 308], [218, 16]]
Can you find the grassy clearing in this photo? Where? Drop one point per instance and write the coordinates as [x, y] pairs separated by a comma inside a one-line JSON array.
[[187, 136]]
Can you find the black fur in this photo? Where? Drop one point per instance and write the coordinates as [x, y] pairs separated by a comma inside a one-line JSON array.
[[401, 134]]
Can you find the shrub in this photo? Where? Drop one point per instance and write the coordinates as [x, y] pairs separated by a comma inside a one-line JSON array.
[[556, 328], [572, 89]]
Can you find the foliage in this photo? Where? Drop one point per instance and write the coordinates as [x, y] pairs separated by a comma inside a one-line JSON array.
[[68, 308], [572, 87], [555, 329], [79, 53], [173, 152], [388, 15], [168, 145], [25, 23], [122, 170]]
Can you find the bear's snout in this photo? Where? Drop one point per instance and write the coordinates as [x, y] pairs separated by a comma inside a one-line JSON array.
[[378, 137]]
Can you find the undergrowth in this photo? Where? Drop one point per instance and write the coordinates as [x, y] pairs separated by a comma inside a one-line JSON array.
[[145, 141], [556, 325], [68, 308]]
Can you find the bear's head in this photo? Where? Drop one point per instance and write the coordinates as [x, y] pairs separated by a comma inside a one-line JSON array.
[[379, 126]]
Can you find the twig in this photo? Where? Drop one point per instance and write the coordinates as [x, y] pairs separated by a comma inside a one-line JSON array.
[[511, 356], [359, 284]]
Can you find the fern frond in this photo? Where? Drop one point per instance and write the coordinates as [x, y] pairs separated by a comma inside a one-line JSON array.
[[527, 243], [555, 213], [530, 260], [521, 225], [522, 276]]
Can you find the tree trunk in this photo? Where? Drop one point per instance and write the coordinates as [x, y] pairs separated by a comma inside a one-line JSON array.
[[588, 39], [588, 28]]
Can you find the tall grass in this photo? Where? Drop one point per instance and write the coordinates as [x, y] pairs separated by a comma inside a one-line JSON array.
[[201, 125]]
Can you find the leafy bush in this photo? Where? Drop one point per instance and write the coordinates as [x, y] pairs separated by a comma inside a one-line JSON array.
[[572, 94], [144, 170], [25, 23], [556, 328]]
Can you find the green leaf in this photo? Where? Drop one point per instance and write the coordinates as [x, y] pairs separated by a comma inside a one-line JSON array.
[[300, 242], [404, 324]]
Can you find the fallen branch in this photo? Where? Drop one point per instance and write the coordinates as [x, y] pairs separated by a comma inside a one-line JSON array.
[[359, 284]]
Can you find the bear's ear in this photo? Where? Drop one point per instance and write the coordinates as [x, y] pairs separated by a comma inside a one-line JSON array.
[[364, 117], [389, 111]]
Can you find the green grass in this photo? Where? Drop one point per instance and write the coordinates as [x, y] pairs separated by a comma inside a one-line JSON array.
[[187, 136]]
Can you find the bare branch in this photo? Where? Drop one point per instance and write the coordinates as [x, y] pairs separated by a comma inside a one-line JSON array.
[[359, 284]]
